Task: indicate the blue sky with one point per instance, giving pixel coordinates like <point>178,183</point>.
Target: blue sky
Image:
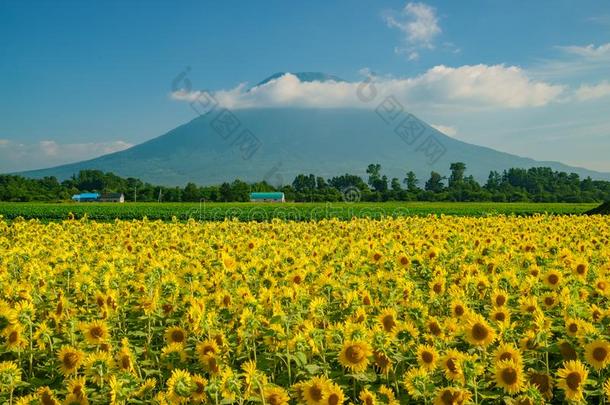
<point>82,78</point>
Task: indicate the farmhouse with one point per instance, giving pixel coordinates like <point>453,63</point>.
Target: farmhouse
<point>267,197</point>
<point>112,197</point>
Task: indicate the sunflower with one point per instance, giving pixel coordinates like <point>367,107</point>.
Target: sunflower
<point>458,309</point>
<point>180,386</point>
<point>173,354</point>
<point>46,396</point>
<point>175,334</point>
<point>567,351</point>
<point>333,395</point>
<point>550,300</point>
<point>8,316</point>
<point>452,396</point>
<point>581,269</point>
<point>314,390</point>
<point>507,351</point>
<point>367,397</point>
<point>499,298</point>
<point>573,327</point>
<point>198,394</point>
<point>387,319</point>
<point>70,359</point>
<point>434,327</point>
<point>452,366</point>
<point>478,332</point>
<point>382,362</point>
<point>416,381</point>
<point>403,261</point>
<point>77,391</point>
<point>572,379</point>
<point>500,315</point>
<point>96,332</point>
<point>14,337</point>
<point>10,375</point>
<point>206,349</point>
<point>552,279</point>
<point>543,383</point>
<point>355,355</point>
<point>427,357</point>
<point>99,366</point>
<point>509,376</point>
<point>276,396</point>
<point>597,354</point>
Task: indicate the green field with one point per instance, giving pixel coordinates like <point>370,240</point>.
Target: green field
<point>267,211</point>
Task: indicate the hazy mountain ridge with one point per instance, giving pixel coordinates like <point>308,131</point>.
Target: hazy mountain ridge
<point>326,142</point>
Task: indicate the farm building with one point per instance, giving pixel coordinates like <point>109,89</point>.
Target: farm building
<point>267,197</point>
<point>112,197</point>
<point>86,197</point>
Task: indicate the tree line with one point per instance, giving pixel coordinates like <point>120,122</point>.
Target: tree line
<point>537,184</point>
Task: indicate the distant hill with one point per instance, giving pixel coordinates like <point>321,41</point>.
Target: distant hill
<point>326,142</point>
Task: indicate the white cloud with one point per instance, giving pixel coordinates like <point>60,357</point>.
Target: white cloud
<point>445,129</point>
<point>588,51</point>
<point>17,156</point>
<point>419,24</point>
<point>464,87</point>
<point>590,92</point>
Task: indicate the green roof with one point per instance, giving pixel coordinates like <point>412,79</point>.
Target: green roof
<point>266,195</point>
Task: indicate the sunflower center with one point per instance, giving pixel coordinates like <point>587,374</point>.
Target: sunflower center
<point>354,354</point>
<point>479,331</point>
<point>437,288</point>
<point>573,380</point>
<point>316,393</point>
<point>573,328</point>
<point>451,365</point>
<point>500,300</point>
<point>600,353</point>
<point>125,362</point>
<point>333,399</point>
<point>13,337</point>
<point>459,310</point>
<point>509,375</point>
<point>388,323</point>
<point>97,332</point>
<point>200,387</point>
<point>70,360</point>
<point>553,279</point>
<point>541,381</point>
<point>178,336</point>
<point>500,316</point>
<point>549,301</point>
<point>427,357</point>
<point>580,269</point>
<point>506,356</point>
<point>449,398</point>
<point>381,360</point>
<point>274,399</point>
<point>404,261</point>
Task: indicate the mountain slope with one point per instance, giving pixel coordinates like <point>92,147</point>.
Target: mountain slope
<point>326,142</point>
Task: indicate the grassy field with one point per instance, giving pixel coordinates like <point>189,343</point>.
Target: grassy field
<point>262,212</point>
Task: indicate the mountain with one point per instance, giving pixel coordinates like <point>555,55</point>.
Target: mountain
<point>289,141</point>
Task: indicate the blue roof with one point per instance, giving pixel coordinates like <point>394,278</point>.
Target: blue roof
<point>266,195</point>
<point>85,195</point>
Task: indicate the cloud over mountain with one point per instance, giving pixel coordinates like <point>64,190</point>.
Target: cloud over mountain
<point>469,86</point>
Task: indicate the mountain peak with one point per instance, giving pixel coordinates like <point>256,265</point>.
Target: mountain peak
<point>304,77</point>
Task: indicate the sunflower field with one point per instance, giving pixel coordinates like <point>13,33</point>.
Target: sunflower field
<point>422,310</point>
